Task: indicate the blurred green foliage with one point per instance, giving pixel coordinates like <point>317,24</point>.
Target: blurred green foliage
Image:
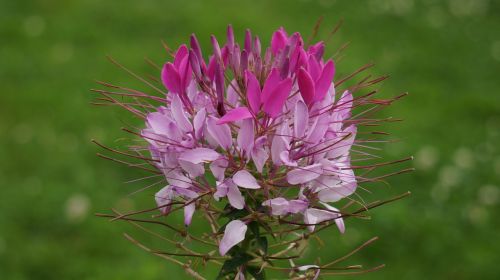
<point>445,53</point>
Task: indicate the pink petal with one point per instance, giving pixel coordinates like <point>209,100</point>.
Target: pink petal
<point>233,234</point>
<point>318,129</point>
<point>178,114</point>
<point>344,105</point>
<point>218,167</point>
<point>279,206</point>
<point>164,197</point>
<point>235,114</point>
<point>273,106</point>
<point>278,41</point>
<point>338,220</point>
<point>199,155</point>
<point>324,81</point>
<point>301,119</point>
<point>234,195</point>
<point>246,136</point>
<point>194,170</point>
<point>253,92</point>
<point>180,54</point>
<point>171,78</point>
<point>304,174</point>
<point>185,72</point>
<point>222,190</point>
<point>314,68</point>
<point>259,156</point>
<point>245,180</point>
<point>315,216</point>
<point>306,86</point>
<point>199,123</point>
<point>220,132</point>
<point>297,206</point>
<point>188,213</point>
<point>271,83</point>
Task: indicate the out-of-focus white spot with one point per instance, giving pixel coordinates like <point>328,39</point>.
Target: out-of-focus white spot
<point>495,50</point>
<point>426,158</point>
<point>476,214</point>
<point>34,26</point>
<point>62,52</point>
<point>464,158</point>
<point>449,176</point>
<point>488,195</point>
<point>436,17</point>
<point>22,133</point>
<point>468,7</point>
<point>77,207</point>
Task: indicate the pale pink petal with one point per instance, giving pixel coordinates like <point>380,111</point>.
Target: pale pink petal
<point>318,129</point>
<point>344,105</point>
<point>273,105</point>
<point>199,155</point>
<point>193,169</point>
<point>234,195</point>
<point>324,81</point>
<point>179,116</point>
<point>313,216</point>
<point>222,190</point>
<point>259,153</point>
<point>171,78</point>
<point>338,220</point>
<point>304,174</point>
<point>253,92</point>
<point>246,136</point>
<point>218,167</point>
<point>277,147</point>
<point>188,213</point>
<point>235,114</point>
<point>285,158</point>
<point>199,123</point>
<point>300,119</point>
<point>297,206</point>
<point>233,234</point>
<point>245,180</point>
<point>306,86</point>
<point>279,206</point>
<point>220,132</point>
<point>163,198</point>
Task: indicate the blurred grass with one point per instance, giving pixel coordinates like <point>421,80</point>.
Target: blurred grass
<point>445,53</point>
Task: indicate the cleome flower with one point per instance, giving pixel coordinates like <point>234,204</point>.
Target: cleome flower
<point>274,125</point>
<point>261,133</point>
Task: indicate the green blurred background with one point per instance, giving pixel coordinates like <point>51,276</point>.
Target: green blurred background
<point>446,54</point>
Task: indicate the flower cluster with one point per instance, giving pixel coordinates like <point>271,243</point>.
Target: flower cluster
<point>265,125</point>
<point>258,138</point>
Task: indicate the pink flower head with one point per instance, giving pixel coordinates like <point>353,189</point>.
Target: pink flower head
<point>255,135</point>
<point>270,115</point>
